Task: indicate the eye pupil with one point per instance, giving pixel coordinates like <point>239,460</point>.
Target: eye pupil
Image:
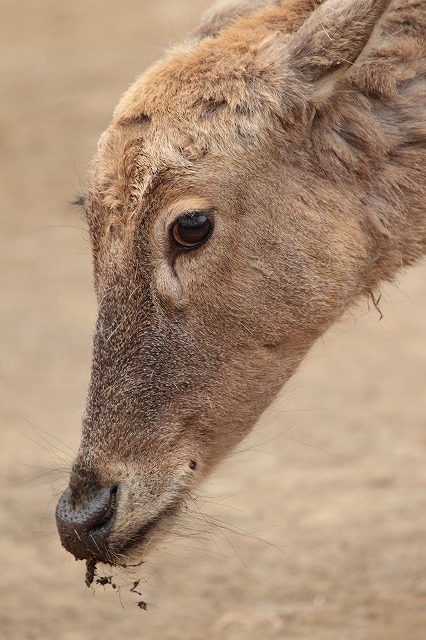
<point>191,230</point>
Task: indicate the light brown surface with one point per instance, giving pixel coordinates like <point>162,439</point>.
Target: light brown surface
<point>327,500</point>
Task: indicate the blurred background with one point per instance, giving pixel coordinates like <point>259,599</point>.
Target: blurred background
<point>316,528</point>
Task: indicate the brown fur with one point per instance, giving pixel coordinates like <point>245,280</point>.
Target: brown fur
<point>303,127</point>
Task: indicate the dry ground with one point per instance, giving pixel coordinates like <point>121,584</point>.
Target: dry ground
<point>324,509</point>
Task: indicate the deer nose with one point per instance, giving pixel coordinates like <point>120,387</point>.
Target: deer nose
<point>84,529</point>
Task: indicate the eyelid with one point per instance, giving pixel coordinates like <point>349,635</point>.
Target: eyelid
<point>190,204</point>
<point>192,212</point>
<point>209,213</point>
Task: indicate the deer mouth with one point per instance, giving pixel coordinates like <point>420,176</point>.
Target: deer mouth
<point>128,554</point>
<point>96,531</point>
<point>116,524</point>
<point>133,548</point>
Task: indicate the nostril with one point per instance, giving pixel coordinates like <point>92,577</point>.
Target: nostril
<point>84,527</point>
<point>106,517</point>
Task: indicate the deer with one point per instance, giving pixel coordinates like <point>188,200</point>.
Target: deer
<point>253,184</point>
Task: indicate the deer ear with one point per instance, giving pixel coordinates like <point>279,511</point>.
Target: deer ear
<point>325,47</point>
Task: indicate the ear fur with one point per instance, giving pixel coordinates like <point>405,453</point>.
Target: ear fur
<point>224,12</point>
<point>326,46</point>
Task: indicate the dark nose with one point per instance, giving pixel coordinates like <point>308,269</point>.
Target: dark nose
<point>84,527</point>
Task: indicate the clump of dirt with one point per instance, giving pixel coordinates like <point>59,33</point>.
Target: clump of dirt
<point>105,581</point>
<point>90,572</point>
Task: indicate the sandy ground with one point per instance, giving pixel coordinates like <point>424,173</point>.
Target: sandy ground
<point>320,517</point>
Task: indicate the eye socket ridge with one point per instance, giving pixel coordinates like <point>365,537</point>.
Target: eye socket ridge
<point>191,230</point>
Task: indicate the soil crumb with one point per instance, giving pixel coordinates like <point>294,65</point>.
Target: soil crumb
<point>133,589</point>
<point>104,580</point>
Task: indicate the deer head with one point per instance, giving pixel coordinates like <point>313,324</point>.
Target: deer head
<point>223,248</point>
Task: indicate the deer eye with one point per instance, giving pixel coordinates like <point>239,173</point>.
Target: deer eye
<point>191,230</point>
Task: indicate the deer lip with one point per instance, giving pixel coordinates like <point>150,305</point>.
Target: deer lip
<point>119,543</point>
<point>141,536</point>
<point>109,554</point>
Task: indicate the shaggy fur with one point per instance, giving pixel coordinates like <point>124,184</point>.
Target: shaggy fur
<point>302,126</point>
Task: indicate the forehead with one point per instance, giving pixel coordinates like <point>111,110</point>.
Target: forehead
<point>194,103</point>
<point>136,158</point>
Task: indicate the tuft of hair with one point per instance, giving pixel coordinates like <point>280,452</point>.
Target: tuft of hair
<point>79,201</point>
